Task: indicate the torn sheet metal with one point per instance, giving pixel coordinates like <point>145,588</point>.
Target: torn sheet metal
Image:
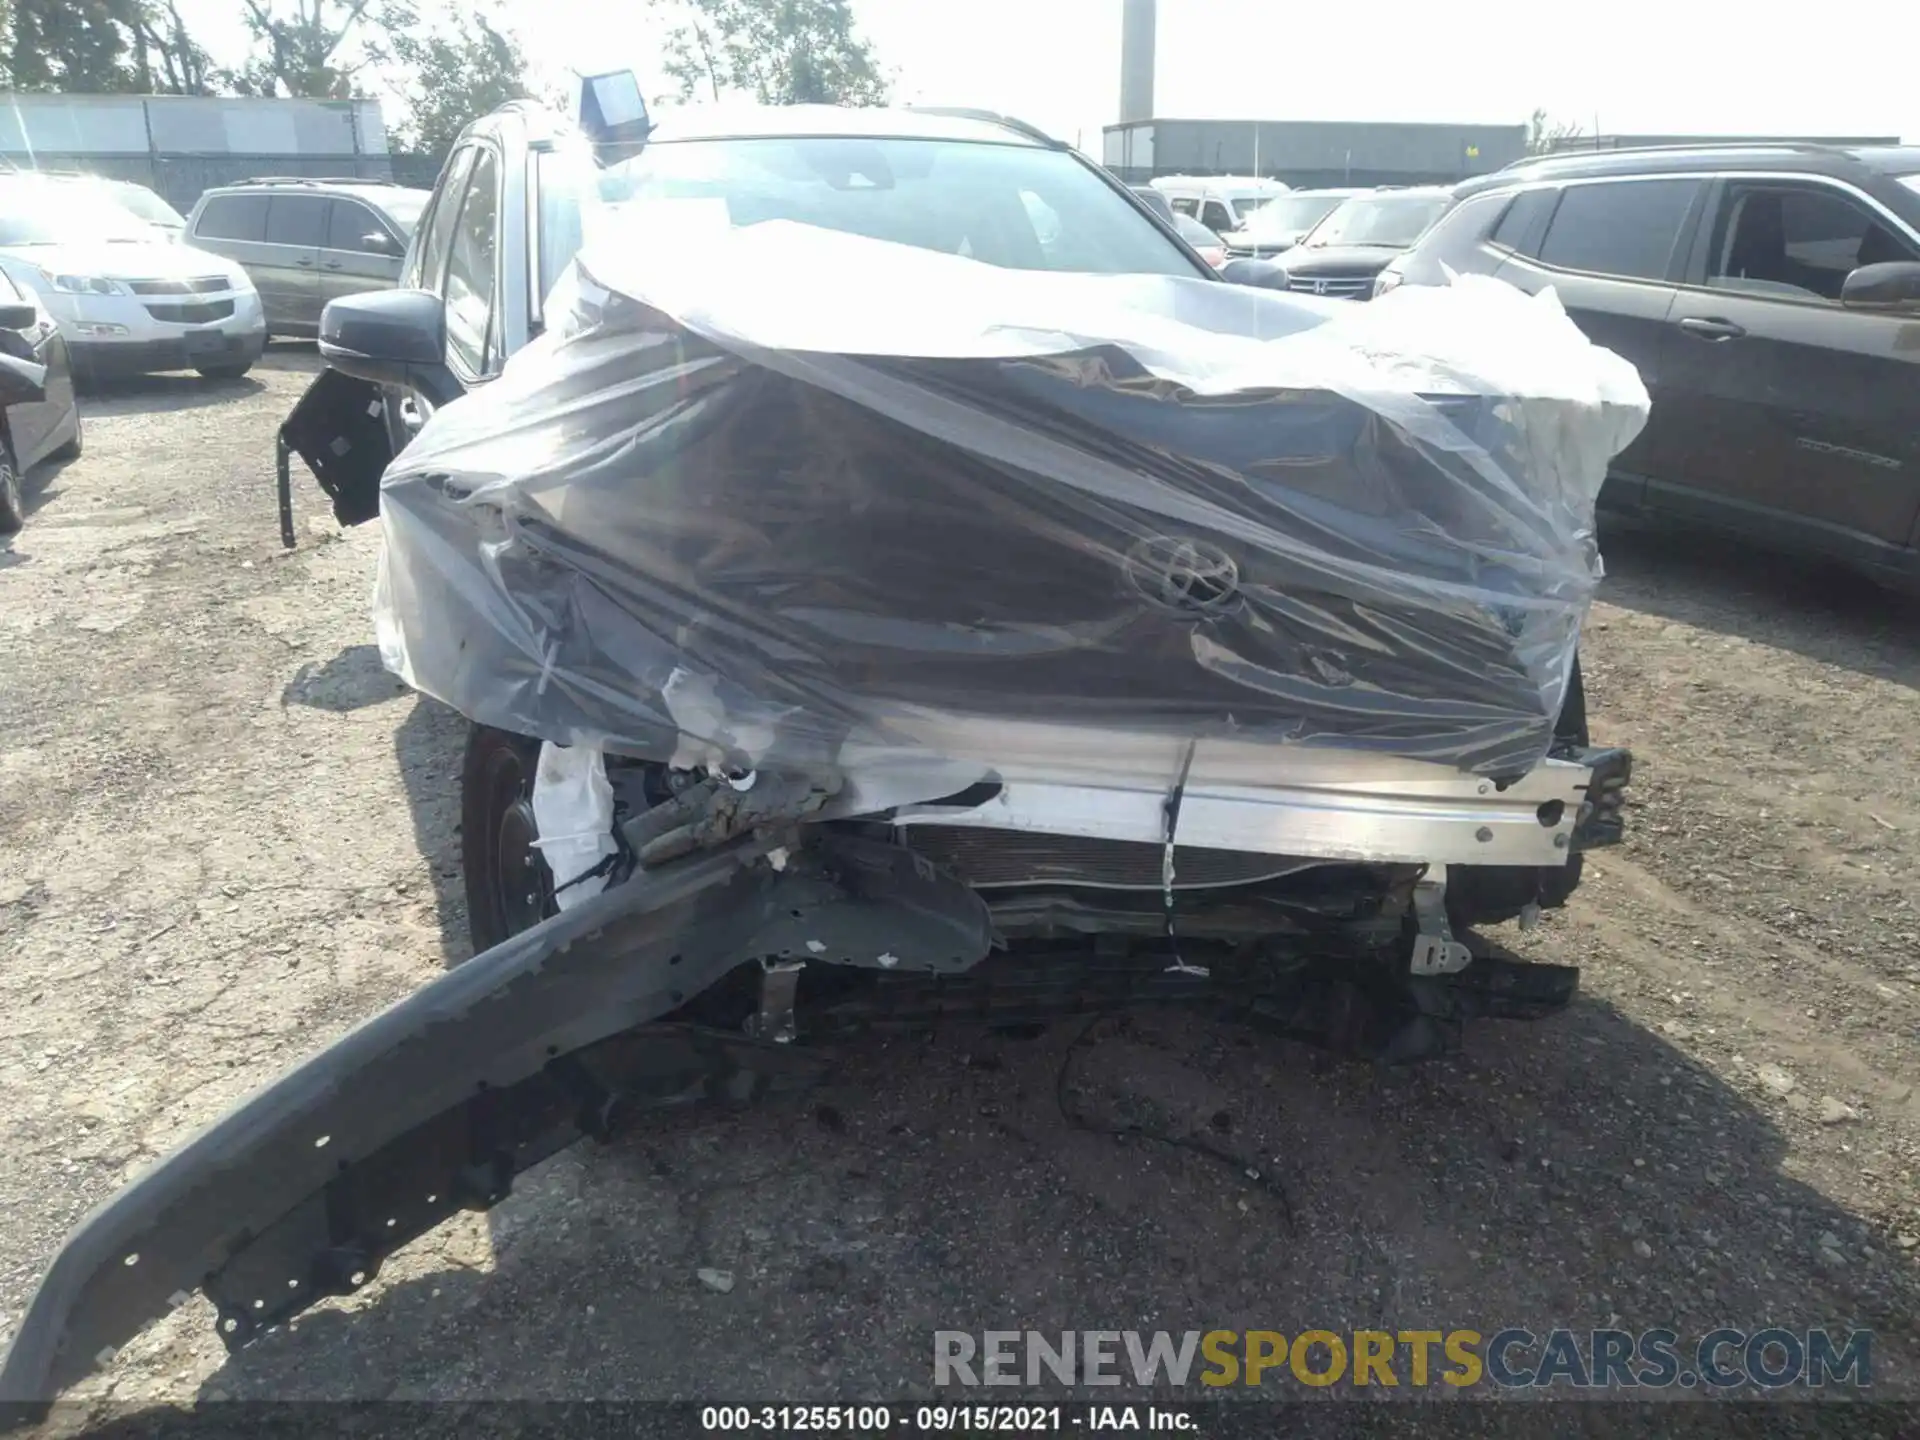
<point>724,518</point>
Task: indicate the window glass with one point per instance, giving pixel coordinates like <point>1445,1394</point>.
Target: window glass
<point>1625,228</point>
<point>1289,216</point>
<point>1216,217</point>
<point>987,201</point>
<point>1185,205</point>
<point>1521,223</point>
<point>470,267</point>
<point>296,220</point>
<point>1046,223</point>
<point>1382,219</point>
<point>1798,242</point>
<point>234,217</point>
<point>567,179</point>
<point>1194,233</point>
<point>430,260</point>
<point>403,208</point>
<point>9,293</point>
<point>350,225</point>
<point>144,203</point>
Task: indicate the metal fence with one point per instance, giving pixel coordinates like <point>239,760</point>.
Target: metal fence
<point>180,179</point>
<point>181,146</point>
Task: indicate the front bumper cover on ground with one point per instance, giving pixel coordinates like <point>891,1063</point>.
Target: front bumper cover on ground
<point>276,1203</point>
<point>434,1105</point>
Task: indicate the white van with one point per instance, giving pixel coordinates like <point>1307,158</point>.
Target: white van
<point>1219,202</point>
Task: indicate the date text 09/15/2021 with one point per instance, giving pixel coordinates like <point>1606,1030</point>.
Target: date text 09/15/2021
<point>939,1419</point>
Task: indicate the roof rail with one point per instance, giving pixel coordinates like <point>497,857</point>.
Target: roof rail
<point>1574,152</point>
<point>309,180</point>
<point>991,117</point>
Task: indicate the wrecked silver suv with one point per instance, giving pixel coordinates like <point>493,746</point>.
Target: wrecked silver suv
<point>877,606</point>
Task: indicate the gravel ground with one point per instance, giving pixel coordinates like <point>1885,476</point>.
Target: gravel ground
<point>226,835</point>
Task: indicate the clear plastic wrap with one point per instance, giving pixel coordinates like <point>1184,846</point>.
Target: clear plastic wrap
<point>777,497</point>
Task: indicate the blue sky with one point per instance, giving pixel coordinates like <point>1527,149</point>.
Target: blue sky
<point>1633,65</point>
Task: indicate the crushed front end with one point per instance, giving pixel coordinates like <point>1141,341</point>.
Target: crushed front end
<point>1075,642</point>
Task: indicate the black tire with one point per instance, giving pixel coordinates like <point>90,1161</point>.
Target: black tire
<point>225,372</point>
<point>13,509</point>
<point>508,885</point>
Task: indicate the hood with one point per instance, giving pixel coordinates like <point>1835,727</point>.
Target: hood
<point>1263,242</point>
<point>1332,260</point>
<point>156,259</point>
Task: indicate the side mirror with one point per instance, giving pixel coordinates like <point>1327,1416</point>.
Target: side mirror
<point>21,381</point>
<point>1893,286</point>
<point>18,317</point>
<point>1246,270</point>
<point>391,337</point>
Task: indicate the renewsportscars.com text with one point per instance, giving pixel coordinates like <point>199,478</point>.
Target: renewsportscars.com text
<point>1771,1358</point>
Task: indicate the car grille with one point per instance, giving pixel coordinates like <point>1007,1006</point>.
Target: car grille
<point>192,313</point>
<point>1010,857</point>
<point>1337,287</point>
<point>199,285</point>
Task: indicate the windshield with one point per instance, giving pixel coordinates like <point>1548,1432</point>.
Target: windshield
<point>35,212</point>
<point>1396,220</point>
<point>1912,182</point>
<point>1194,233</point>
<point>1017,206</point>
<point>144,203</point>
<point>403,207</point>
<point>1290,214</point>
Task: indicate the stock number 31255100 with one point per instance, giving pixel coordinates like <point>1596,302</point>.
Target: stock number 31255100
<point>871,1419</point>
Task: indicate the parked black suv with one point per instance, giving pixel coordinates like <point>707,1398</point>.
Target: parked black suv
<point>1342,255</point>
<point>1770,296</point>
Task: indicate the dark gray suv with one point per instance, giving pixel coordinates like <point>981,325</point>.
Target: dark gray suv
<point>1770,298</point>
<point>304,241</point>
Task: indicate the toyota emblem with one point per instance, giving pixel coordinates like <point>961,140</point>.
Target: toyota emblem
<point>1185,576</point>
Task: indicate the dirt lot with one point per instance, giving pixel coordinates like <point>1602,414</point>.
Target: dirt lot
<point>226,835</point>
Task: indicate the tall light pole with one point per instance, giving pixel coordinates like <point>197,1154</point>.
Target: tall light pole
<point>1136,60</point>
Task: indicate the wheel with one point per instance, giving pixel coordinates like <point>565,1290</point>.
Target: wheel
<point>509,888</point>
<point>13,513</point>
<point>225,372</point>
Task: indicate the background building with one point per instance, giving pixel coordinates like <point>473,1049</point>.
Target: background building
<point>1309,152</point>
<point>180,145</point>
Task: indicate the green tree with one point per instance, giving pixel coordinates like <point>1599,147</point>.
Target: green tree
<point>462,70</point>
<point>170,61</point>
<point>780,52</point>
<point>312,48</point>
<point>72,45</point>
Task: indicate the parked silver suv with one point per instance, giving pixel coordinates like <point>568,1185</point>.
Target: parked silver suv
<point>307,241</point>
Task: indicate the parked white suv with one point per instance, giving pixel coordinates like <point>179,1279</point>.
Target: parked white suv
<point>1219,202</point>
<point>126,301</point>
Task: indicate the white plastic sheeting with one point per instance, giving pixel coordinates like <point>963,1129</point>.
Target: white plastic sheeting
<point>775,496</point>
